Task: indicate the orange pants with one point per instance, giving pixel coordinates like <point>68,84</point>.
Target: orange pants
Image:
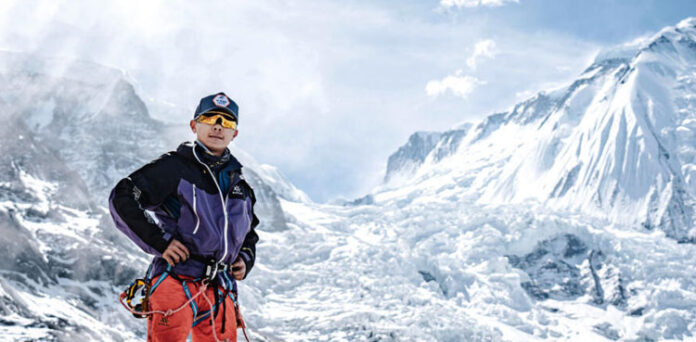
<point>176,327</point>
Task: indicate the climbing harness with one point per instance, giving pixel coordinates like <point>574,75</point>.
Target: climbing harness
<point>210,279</point>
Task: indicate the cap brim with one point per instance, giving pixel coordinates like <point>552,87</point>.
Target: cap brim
<point>219,112</point>
<point>218,109</point>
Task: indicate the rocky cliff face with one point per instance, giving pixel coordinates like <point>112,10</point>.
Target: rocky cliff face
<point>564,268</point>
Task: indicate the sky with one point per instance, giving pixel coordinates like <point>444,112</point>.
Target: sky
<point>329,89</point>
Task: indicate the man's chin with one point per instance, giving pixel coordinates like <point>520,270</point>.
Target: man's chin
<point>215,145</point>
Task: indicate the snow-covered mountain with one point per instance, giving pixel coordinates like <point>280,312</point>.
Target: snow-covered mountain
<point>89,114</point>
<point>618,141</point>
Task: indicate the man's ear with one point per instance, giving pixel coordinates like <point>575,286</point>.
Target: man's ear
<point>236,131</point>
<point>193,125</point>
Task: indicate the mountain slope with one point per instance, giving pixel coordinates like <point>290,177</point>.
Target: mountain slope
<point>617,142</point>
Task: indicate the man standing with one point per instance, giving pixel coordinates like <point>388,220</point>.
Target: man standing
<point>203,239</point>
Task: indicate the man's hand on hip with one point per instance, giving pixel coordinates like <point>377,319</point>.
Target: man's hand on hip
<point>239,269</point>
<point>175,253</point>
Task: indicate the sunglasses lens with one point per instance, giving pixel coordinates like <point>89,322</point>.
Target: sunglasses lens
<point>214,119</point>
<point>227,123</point>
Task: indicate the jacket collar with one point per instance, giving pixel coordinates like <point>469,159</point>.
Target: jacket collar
<point>215,163</point>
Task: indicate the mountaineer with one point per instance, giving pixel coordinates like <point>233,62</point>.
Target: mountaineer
<point>203,239</point>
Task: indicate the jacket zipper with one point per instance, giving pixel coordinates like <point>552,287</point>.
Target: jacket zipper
<point>198,219</point>
<point>222,199</point>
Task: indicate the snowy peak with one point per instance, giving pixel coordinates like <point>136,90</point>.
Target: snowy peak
<point>662,41</point>
<point>614,144</point>
<point>618,142</point>
<point>411,155</point>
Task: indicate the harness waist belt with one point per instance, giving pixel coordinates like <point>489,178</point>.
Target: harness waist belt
<point>212,267</point>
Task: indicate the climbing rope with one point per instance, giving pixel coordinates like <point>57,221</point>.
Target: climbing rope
<point>129,293</point>
<point>167,313</point>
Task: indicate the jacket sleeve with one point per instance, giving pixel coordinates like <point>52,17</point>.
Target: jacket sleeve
<point>146,188</point>
<point>248,251</point>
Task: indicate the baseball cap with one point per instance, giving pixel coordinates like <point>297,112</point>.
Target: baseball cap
<point>217,102</point>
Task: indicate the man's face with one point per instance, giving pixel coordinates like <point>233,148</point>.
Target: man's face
<point>214,137</point>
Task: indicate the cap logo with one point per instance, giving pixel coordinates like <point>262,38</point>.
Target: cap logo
<point>221,100</point>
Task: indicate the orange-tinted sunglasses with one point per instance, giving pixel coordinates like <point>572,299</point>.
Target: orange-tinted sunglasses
<point>211,118</point>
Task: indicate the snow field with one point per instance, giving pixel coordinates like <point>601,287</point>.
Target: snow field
<point>435,270</point>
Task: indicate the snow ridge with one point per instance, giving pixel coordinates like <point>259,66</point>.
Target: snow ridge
<point>617,142</point>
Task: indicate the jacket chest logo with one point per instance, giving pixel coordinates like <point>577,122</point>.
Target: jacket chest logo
<point>237,191</point>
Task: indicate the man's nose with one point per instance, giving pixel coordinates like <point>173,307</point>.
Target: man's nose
<point>217,127</point>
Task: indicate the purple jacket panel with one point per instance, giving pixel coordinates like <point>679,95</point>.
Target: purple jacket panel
<point>201,227</point>
<point>201,222</point>
<point>240,210</point>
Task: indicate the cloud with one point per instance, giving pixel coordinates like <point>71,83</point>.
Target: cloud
<point>459,85</point>
<point>483,49</point>
<point>474,3</point>
<point>462,85</point>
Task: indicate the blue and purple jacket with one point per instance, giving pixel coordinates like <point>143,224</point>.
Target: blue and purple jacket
<point>200,199</point>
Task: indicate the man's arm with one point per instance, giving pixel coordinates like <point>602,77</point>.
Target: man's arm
<point>143,189</point>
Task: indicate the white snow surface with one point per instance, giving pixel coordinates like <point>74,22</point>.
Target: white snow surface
<point>356,274</point>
